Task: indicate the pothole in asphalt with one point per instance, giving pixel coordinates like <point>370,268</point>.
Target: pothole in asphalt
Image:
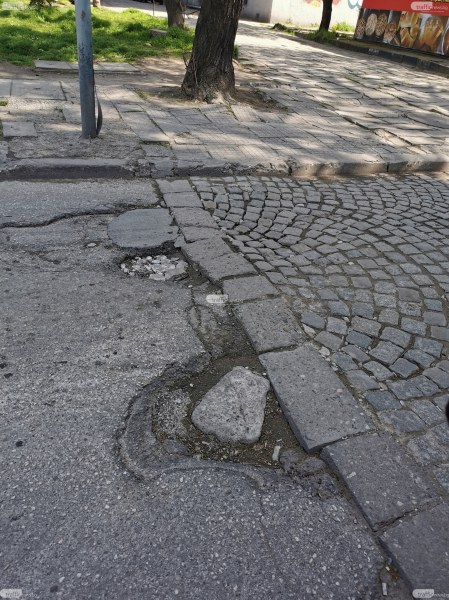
<point>159,268</point>
<point>213,320</point>
<point>174,406</point>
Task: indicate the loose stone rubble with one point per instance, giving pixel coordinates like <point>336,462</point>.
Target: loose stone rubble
<point>159,268</point>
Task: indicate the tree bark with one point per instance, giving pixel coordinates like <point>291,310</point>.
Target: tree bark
<point>175,13</point>
<point>326,15</point>
<point>210,72</point>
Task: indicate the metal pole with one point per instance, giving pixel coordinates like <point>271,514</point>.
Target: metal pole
<point>86,67</point>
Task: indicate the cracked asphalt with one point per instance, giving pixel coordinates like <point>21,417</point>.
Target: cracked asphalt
<point>81,341</point>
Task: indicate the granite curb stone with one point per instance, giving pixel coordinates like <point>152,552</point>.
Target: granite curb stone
<point>320,410</point>
<point>420,548</point>
<point>269,324</point>
<point>66,168</point>
<point>392,486</point>
<point>248,288</point>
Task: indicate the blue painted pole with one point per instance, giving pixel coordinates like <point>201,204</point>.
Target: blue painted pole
<point>86,67</point>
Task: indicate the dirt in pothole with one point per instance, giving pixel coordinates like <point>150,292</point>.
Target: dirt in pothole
<point>229,347</point>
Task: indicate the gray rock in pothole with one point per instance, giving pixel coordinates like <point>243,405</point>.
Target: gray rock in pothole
<point>144,228</point>
<point>234,409</point>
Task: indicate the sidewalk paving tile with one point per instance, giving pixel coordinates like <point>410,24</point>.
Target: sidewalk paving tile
<point>18,129</point>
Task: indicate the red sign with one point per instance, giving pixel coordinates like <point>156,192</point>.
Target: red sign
<point>431,8</point>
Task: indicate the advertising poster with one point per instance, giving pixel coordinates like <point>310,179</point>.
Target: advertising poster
<point>422,26</point>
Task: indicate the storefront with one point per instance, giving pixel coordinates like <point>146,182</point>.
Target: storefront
<point>422,26</point>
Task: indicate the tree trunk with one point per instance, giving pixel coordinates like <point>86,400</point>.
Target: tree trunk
<point>327,15</point>
<point>175,13</point>
<point>210,72</point>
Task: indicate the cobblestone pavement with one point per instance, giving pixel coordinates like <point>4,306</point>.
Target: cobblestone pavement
<point>379,122</point>
<point>364,264</point>
<point>356,270</point>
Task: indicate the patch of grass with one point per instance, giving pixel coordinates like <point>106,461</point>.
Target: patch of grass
<point>50,34</point>
<point>3,102</point>
<point>346,27</point>
<point>321,36</point>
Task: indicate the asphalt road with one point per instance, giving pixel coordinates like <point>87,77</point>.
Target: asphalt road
<point>79,518</point>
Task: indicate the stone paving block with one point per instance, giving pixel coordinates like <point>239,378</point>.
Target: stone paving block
<point>403,421</point>
<point>361,381</point>
<point>269,324</point>
<point>404,390</point>
<point>404,368</point>
<point>195,234</point>
<point>319,408</point>
<point>428,449</point>
<point>396,336</point>
<point>142,228</point>
<point>382,400</point>
<point>193,217</point>
<point>248,288</point>
<point>440,377</point>
<point>420,358</point>
<point>419,546</point>
<point>174,186</point>
<point>18,129</point>
<point>386,352</point>
<point>208,248</point>
<point>227,265</point>
<point>314,320</point>
<point>329,340</point>
<point>359,339</point>
<point>427,411</point>
<point>432,347</point>
<point>440,333</point>
<point>182,200</point>
<point>392,486</point>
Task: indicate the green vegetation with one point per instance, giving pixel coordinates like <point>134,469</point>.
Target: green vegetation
<point>321,36</point>
<point>49,34</point>
<point>3,102</point>
<point>343,27</point>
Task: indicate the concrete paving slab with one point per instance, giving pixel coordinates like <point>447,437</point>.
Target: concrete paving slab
<point>49,90</point>
<point>55,65</point>
<point>394,484</point>
<point>318,407</point>
<point>72,113</point>
<point>18,129</point>
<point>5,88</point>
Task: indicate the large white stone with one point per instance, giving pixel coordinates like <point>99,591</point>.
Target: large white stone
<point>234,409</point>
